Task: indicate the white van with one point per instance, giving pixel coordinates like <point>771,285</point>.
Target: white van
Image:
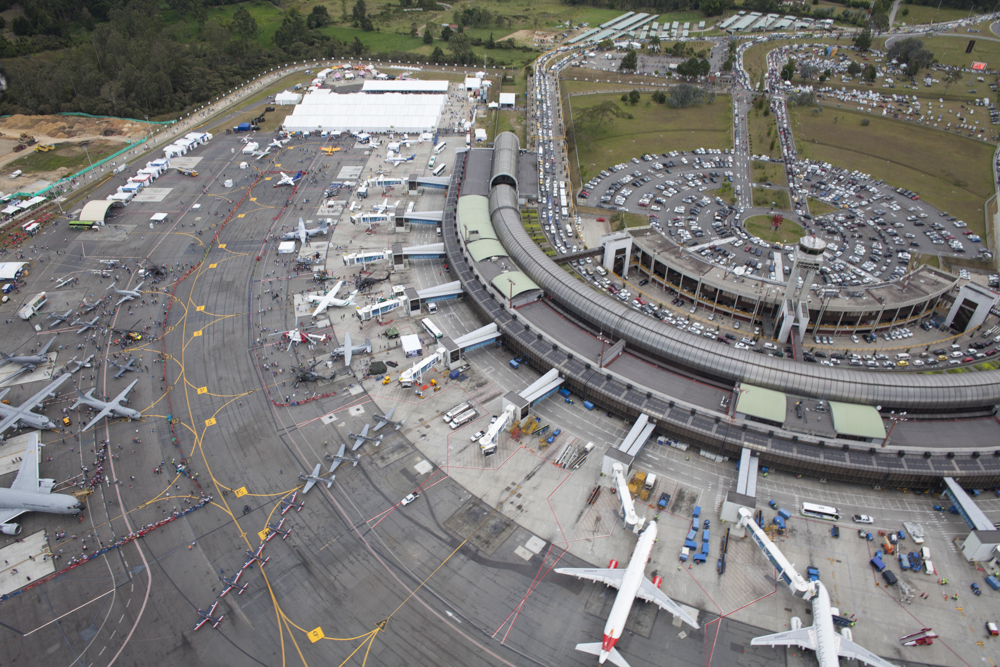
<point>770,346</point>
<point>902,356</point>
<point>925,553</point>
<point>432,308</point>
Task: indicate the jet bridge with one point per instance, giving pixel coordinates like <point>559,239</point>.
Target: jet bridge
<point>401,255</point>
<point>799,587</point>
<point>432,182</point>
<point>542,388</point>
<point>632,520</point>
<point>745,494</point>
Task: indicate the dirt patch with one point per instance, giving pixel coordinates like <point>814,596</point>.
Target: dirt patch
<point>51,129</point>
<point>528,37</point>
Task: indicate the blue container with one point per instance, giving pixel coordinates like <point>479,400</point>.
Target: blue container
<point>564,391</point>
<point>588,405</point>
<point>783,513</point>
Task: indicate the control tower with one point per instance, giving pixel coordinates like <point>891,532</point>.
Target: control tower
<point>794,311</point>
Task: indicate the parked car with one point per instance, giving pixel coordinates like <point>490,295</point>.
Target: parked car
<point>477,436</point>
<point>863,518</point>
<point>410,498</point>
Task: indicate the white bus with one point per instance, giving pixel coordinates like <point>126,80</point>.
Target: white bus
<point>463,419</point>
<point>820,512</point>
<point>439,170</point>
<point>430,328</point>
<point>456,411</point>
<point>440,147</point>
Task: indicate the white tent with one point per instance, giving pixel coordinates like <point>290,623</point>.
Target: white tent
<point>411,345</point>
<point>287,97</point>
<point>507,99</point>
<point>358,112</point>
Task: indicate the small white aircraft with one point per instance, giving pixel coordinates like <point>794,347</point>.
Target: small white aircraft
<point>259,154</point>
<point>28,493</point>
<point>346,350</point>
<point>206,617</point>
<point>386,420</point>
<point>113,407</point>
<point>396,159</point>
<point>277,530</point>
<point>289,179</point>
<point>330,299</point>
<point>127,294</point>
<point>298,336</point>
<point>311,480</point>
<point>231,583</point>
<point>363,437</point>
<point>22,415</point>
<point>87,307</point>
<point>277,143</point>
<point>62,282</point>
<point>301,233</point>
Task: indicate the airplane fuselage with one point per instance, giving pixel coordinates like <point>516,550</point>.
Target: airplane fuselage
<point>826,635</point>
<point>51,503</point>
<point>631,581</point>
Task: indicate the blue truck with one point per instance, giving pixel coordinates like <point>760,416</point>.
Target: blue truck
<point>697,512</point>
<point>780,523</point>
<point>784,514</point>
<point>877,563</point>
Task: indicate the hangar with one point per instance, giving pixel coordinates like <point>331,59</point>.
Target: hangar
<point>325,110</point>
<point>97,211</point>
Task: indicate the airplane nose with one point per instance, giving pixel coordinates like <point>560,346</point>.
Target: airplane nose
<point>81,506</point>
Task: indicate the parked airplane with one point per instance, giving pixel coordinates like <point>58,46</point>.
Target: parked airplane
<point>330,151</point>
<point>62,282</point>
<point>821,637</point>
<point>127,294</point>
<point>59,319</point>
<point>301,233</point>
<point>29,362</point>
<point>206,617</point>
<point>631,584</point>
<point>255,557</point>
<point>123,368</point>
<point>231,583</point>
<point>278,143</point>
<point>79,364</point>
<point>92,324</point>
<point>363,437</point>
<point>311,480</point>
<point>259,154</point>
<point>346,350</point>
<point>112,407</point>
<point>386,419</point>
<point>290,179</point>
<point>87,307</point>
<point>340,457</point>
<point>277,530</point>
<point>28,493</point>
<point>22,416</point>
<point>289,503</point>
<point>299,336</point>
<point>396,160</point>
<point>330,299</point>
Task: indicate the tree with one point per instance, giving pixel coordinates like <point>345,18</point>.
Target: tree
<point>854,68</point>
<point>605,45</point>
<point>863,40</point>
<point>869,73</point>
<point>776,221</point>
<point>428,37</point>
<point>446,33</point>
<point>437,55</point>
<point>461,49</point>
<point>880,21</point>
<point>808,71</point>
<point>630,63</point>
<point>291,31</point>
<point>358,48</point>
<point>21,26</point>
<point>634,97</point>
<point>910,52</point>
<point>788,71</point>
<point>359,14</point>
<point>952,76</point>
<point>244,25</point>
<point>654,43</point>
<point>319,17</point>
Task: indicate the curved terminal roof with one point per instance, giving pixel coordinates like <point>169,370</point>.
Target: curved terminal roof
<point>485,249</point>
<point>914,391</point>
<point>97,210</point>
<point>474,218</point>
<point>506,147</point>
<point>521,284</point>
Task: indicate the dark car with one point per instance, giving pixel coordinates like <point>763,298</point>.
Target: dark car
<point>391,363</point>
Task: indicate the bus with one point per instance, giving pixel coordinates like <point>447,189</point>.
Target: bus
<point>820,512</point>
<point>440,147</point>
<point>81,224</point>
<point>463,419</point>
<point>430,328</point>
<point>439,170</point>
<point>456,411</point>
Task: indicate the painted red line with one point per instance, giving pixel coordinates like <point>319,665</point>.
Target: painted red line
<point>532,588</point>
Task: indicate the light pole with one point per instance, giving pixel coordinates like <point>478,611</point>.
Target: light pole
<point>510,298</point>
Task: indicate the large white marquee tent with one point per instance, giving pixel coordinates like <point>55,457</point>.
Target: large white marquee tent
<point>325,110</point>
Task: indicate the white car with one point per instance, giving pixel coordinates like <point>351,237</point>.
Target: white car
<point>863,518</point>
<point>409,499</point>
<point>477,436</point>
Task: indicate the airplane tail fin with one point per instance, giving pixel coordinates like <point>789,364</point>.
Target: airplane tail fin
<point>80,401</point>
<point>595,649</point>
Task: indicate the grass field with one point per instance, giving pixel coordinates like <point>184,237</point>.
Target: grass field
<point>919,14</point>
<point>287,83</point>
<point>951,51</point>
<point>575,87</point>
<point>653,129</point>
<point>768,172</point>
<point>68,156</point>
<point>760,226</point>
<point>762,131</point>
<point>764,197</point>
<point>949,172</point>
<point>817,207</point>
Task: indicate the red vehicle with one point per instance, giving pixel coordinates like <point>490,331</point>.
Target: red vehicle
<point>600,219</point>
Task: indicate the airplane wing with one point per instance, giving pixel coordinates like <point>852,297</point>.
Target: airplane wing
<point>384,419</point>
<point>803,638</point>
<point>348,352</point>
<point>100,415</point>
<point>340,454</point>
<point>361,440</point>
<point>650,593</point>
<point>27,474</point>
<point>312,482</point>
<point>117,400</point>
<point>609,576</point>
<point>302,231</point>
<point>849,649</point>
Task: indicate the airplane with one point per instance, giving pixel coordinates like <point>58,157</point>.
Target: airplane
<point>79,364</point>
<point>631,584</point>
<point>92,324</point>
<point>289,503</point>
<point>59,319</point>
<point>299,336</point>
<point>330,299</point>
<point>255,557</point>
<point>127,294</point>
<point>398,160</point>
<point>22,416</point>
<point>821,637</point>
<point>62,282</point>
<point>276,530</point>
<point>340,457</point>
<point>292,179</point>
<point>87,307</point>
<point>330,151</point>
<point>301,233</point>
<point>123,368</point>
<point>277,143</point>
<point>28,493</point>
<point>259,154</point>
<point>231,583</point>
<point>346,350</point>
<point>363,437</point>
<point>206,617</point>
<point>311,480</point>
<point>386,419</point>
<point>29,362</point>
<point>112,407</point>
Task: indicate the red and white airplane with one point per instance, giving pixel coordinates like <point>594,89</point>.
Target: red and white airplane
<point>206,617</point>
<point>296,336</point>
<point>631,584</point>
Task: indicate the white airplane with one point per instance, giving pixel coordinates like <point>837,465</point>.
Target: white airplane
<point>22,415</point>
<point>821,637</point>
<point>59,319</point>
<point>311,480</point>
<point>277,143</point>
<point>363,437</point>
<point>398,159</point>
<point>382,208</point>
<point>127,294</point>
<point>299,336</point>
<point>28,493</point>
<point>301,233</point>
<point>289,179</point>
<point>277,529</point>
<point>631,584</point>
<point>259,154</point>
<point>231,583</point>
<point>341,457</point>
<point>62,282</point>
<point>112,407</point>
<point>386,420</point>
<point>330,299</point>
<point>92,324</point>
<point>346,350</point>
<point>87,307</point>
<point>29,362</point>
<point>206,617</point>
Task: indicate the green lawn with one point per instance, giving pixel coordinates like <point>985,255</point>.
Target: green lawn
<point>768,172</point>
<point>267,16</point>
<point>653,129</point>
<point>760,226</point>
<point>763,133</point>
<point>817,207</point>
<point>951,51</point>
<point>918,14</point>
<point>764,197</point>
<point>69,156</point>
<point>950,172</point>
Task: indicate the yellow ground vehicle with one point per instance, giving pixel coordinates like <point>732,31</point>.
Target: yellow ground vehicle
<point>387,379</point>
<point>66,421</point>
